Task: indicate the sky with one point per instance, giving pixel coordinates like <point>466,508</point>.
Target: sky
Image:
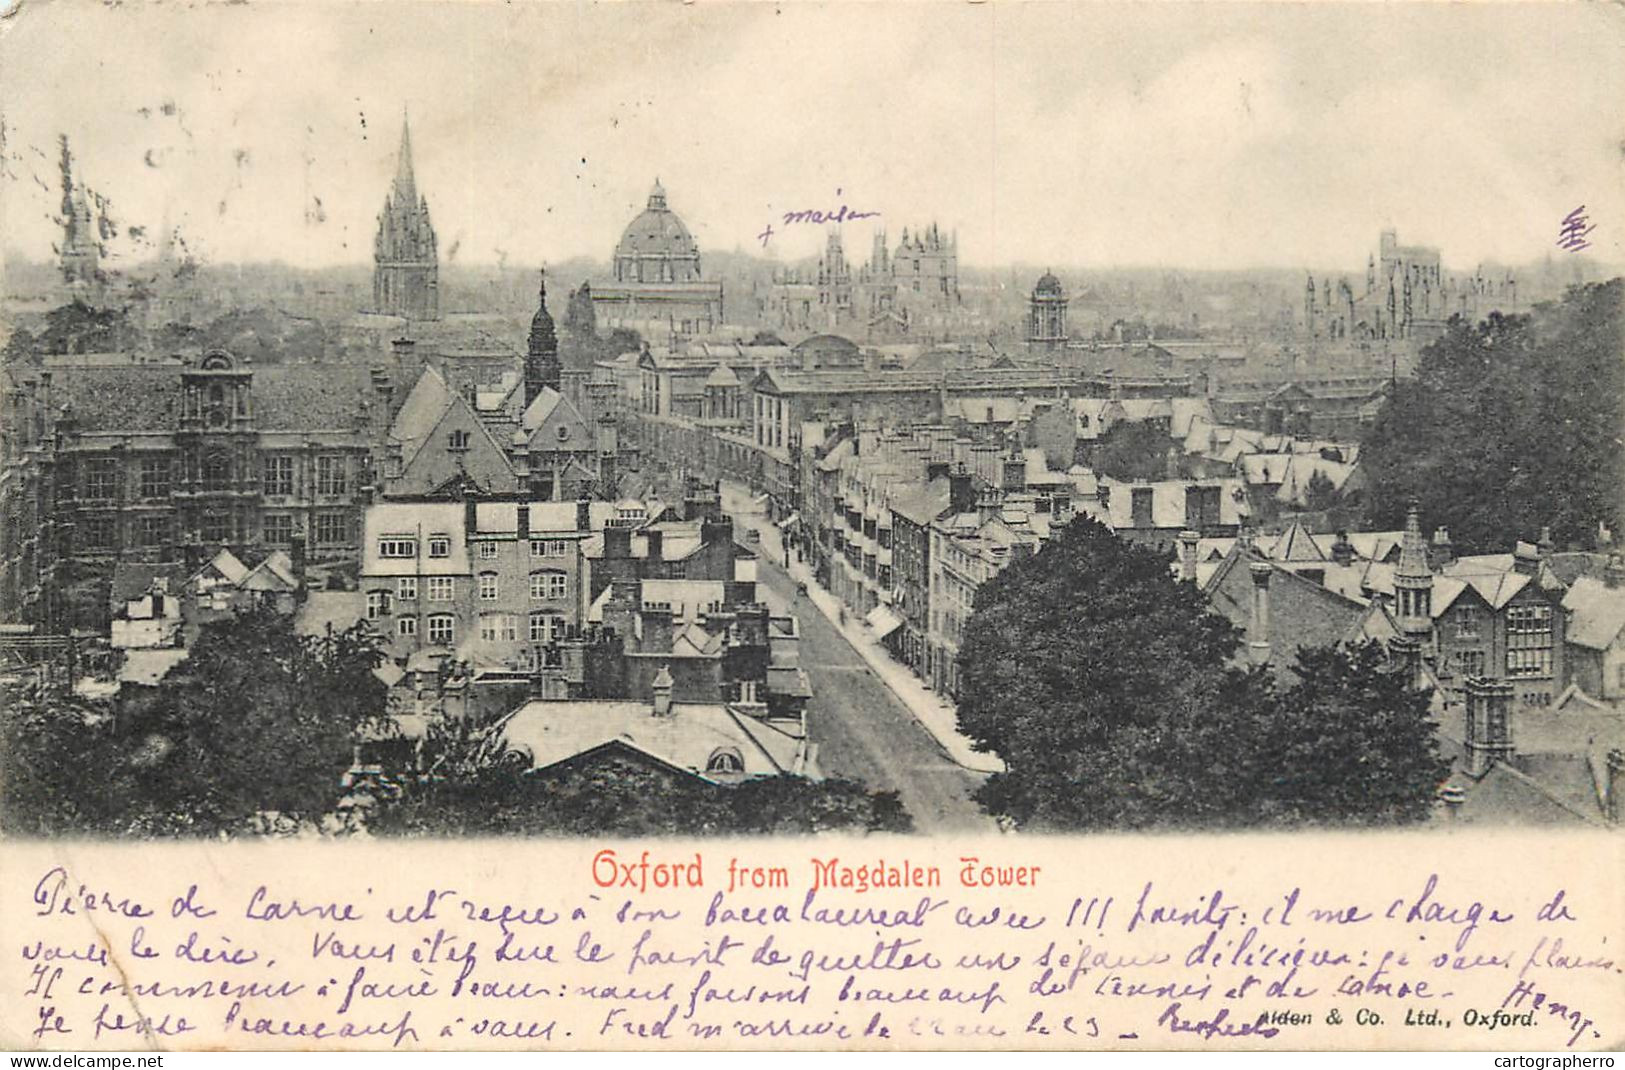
<point>1229,135</point>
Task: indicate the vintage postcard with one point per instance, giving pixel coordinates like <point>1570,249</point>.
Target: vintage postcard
<point>832,526</point>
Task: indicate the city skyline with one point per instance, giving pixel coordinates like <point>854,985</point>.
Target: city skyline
<point>1011,144</point>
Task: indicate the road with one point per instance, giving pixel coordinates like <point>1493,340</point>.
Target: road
<point>864,733</point>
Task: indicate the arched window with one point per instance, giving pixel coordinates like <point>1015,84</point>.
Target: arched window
<point>216,471</point>
<point>725,760</point>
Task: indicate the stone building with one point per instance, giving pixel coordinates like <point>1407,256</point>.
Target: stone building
<point>656,287</point>
<point>406,263</point>
<point>1046,315</point>
<point>159,462</point>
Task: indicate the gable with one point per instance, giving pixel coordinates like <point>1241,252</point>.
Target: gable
<point>436,464</point>
<point>562,428</point>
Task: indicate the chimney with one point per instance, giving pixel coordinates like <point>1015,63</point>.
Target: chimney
<point>471,523</point>
<point>296,556</point>
<point>583,514</point>
<point>961,492</point>
<point>1526,559</point>
<point>617,542</point>
<point>657,629</point>
<point>1140,508</point>
<point>1187,555</point>
<point>523,511</point>
<point>1489,724</point>
<point>1343,550</point>
<point>662,692</point>
<point>656,541</point>
<point>1546,545</point>
<point>1258,625</point>
<point>1614,572</point>
<point>1442,552</point>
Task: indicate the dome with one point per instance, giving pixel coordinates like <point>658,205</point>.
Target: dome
<point>656,246</point>
<point>1048,286</point>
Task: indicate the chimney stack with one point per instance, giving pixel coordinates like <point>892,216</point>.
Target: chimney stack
<point>1187,555</point>
<point>1614,572</point>
<point>656,540</point>
<point>1343,549</point>
<point>522,510</point>
<point>583,514</point>
<point>471,523</point>
<point>662,692</point>
<point>1258,626</point>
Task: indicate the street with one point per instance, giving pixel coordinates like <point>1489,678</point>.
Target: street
<point>862,731</point>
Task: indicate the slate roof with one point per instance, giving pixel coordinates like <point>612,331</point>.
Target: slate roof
<point>140,398</point>
<point>1598,613</point>
<point>685,739</point>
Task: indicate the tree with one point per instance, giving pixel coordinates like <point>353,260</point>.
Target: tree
<point>1107,687</point>
<point>1133,450</point>
<point>257,719</point>
<point>1510,425</point>
<point>1321,493</point>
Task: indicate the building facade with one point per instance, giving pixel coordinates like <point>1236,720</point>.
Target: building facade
<point>167,462</point>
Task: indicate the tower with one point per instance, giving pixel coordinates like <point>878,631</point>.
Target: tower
<point>1046,315</point>
<point>1413,596</point>
<point>406,271</point>
<point>80,251</point>
<point>542,367</point>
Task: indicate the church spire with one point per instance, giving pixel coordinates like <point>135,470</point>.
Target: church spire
<point>542,368</point>
<point>406,187</point>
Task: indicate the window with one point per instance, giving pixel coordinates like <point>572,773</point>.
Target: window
<point>277,476</point>
<point>155,479</point>
<point>442,588</point>
<point>549,547</point>
<point>331,477</point>
<point>442,629</point>
<point>725,760</point>
<point>96,532</point>
<point>101,479</point>
<point>1529,640</point>
<point>1467,622</point>
<point>546,627</point>
<point>377,604</point>
<point>217,471</point>
<point>499,628</point>
<point>488,550</point>
<point>277,529</point>
<point>152,530</point>
<point>550,585</point>
<point>397,546</point>
<point>1472,662</point>
<point>216,527</point>
<point>406,588</point>
<point>488,586</point>
<point>406,627</point>
<point>439,545</point>
<point>332,529</point>
<point>457,440</point>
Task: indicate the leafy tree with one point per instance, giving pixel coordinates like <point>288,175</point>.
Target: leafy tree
<point>1510,425</point>
<point>1321,492</point>
<point>1107,687</point>
<point>1133,450</point>
<point>256,719</point>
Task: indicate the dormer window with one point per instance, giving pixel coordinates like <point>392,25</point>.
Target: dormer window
<point>725,760</point>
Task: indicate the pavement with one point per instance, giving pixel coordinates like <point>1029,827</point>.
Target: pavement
<point>870,719</point>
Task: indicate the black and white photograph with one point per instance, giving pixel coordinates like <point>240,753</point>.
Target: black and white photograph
<point>437,421</point>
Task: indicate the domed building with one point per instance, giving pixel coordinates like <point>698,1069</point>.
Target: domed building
<point>1046,315</point>
<point>656,288</point>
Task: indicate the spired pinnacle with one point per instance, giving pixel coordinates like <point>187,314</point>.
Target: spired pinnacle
<point>405,182</point>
